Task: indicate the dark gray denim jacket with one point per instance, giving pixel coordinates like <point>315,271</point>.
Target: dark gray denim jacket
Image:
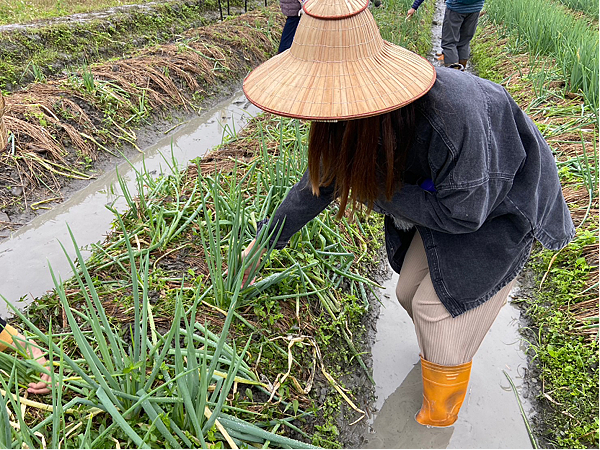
<point>492,188</point>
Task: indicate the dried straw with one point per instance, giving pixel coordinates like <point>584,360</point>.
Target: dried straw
<point>53,119</point>
<point>3,132</point>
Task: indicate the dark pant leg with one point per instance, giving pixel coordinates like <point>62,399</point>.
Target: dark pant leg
<point>289,30</point>
<point>467,31</point>
<point>451,36</point>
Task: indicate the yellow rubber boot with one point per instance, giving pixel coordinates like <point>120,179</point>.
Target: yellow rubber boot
<point>444,390</point>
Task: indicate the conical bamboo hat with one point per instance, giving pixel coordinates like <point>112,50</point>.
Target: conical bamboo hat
<point>338,68</point>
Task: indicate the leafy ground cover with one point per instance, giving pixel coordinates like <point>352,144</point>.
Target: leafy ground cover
<point>561,305</point>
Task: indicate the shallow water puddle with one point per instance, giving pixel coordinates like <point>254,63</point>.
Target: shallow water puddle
<point>490,416</point>
<point>25,256</point>
<point>436,30</point>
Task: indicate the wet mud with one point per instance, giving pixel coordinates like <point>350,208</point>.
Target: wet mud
<point>436,32</point>
<point>490,415</point>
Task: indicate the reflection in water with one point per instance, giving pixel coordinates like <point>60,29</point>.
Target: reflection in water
<point>395,425</point>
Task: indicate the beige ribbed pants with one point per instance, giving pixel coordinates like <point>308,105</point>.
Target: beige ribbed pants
<point>443,339</point>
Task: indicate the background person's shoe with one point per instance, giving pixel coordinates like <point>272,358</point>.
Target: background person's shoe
<point>456,66</point>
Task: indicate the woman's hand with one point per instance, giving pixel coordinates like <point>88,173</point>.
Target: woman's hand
<point>245,254</point>
<point>33,350</point>
<point>410,13</point>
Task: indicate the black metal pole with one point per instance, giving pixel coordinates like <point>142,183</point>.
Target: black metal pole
<point>220,10</point>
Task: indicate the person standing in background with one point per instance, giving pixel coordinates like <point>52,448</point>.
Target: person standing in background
<point>458,28</point>
<point>292,9</point>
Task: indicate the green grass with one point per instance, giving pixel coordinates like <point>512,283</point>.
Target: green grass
<point>548,29</point>
<point>413,34</point>
<point>114,104</point>
<point>24,11</point>
<point>566,360</point>
<point>588,7</point>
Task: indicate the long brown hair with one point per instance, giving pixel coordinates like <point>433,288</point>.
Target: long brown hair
<point>354,153</point>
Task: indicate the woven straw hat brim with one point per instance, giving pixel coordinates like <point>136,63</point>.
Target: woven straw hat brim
<point>357,74</point>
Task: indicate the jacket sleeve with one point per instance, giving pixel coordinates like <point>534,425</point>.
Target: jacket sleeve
<point>298,208</point>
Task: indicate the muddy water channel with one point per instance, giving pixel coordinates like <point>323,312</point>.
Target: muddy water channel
<point>26,255</point>
<point>490,416</point>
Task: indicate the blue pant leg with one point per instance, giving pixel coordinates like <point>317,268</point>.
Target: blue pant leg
<point>451,36</point>
<point>467,31</point>
<point>289,30</point>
